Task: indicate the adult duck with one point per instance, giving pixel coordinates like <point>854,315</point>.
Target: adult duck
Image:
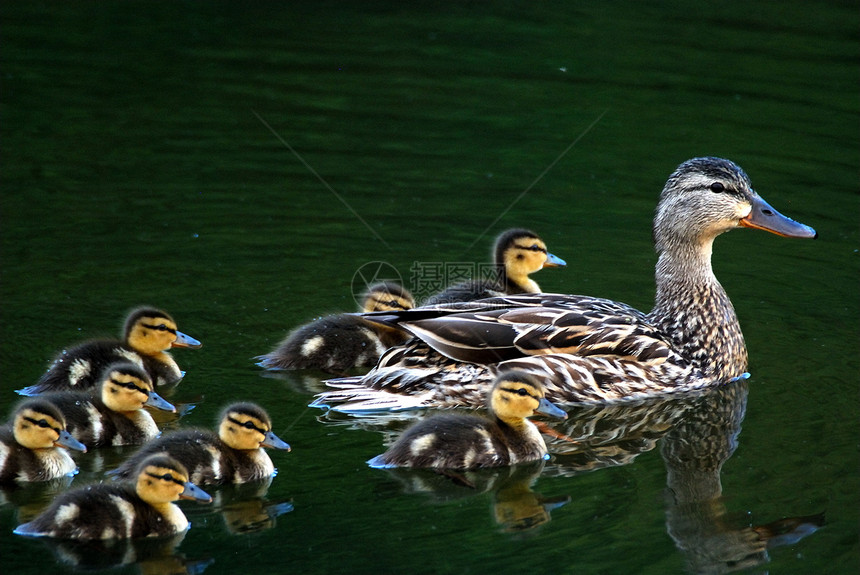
<point>147,335</point>
<point>584,349</point>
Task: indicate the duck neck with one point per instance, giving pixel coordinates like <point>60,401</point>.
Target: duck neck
<point>693,309</point>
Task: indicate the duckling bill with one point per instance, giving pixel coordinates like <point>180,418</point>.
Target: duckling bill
<point>459,441</point>
<point>147,335</point>
<point>122,511</point>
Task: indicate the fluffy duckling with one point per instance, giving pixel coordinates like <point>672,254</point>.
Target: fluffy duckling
<point>31,447</point>
<point>457,441</point>
<point>104,511</point>
<point>338,342</point>
<point>114,416</point>
<point>148,332</point>
<point>517,253</point>
<point>234,455</point>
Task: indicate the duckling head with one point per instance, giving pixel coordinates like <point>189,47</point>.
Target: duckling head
<point>161,479</point>
<point>247,426</point>
<point>151,331</point>
<point>39,424</point>
<point>517,395</point>
<point>705,197</point>
<point>387,296</point>
<point>521,252</point>
<point>125,387</point>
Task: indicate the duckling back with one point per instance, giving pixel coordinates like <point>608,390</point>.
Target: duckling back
<point>112,511</point>
<point>113,414</point>
<point>147,334</point>
<point>210,459</point>
<point>338,342</point>
<point>457,441</point>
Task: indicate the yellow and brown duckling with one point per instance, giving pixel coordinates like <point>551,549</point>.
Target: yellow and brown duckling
<point>147,334</point>
<point>32,447</point>
<point>114,413</point>
<point>338,342</point>
<point>517,253</point>
<point>460,441</point>
<point>586,349</point>
<point>234,455</point>
<point>122,511</point>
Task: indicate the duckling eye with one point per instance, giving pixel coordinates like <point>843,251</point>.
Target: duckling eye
<point>522,392</point>
<point>717,187</point>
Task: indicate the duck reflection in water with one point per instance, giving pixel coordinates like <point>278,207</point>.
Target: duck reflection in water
<point>516,507</point>
<point>694,452</point>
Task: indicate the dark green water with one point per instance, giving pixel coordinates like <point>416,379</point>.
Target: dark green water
<point>237,165</point>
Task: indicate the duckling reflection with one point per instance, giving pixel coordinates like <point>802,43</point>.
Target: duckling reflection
<point>694,452</point>
<point>151,555</point>
<point>244,507</point>
<point>516,507</point>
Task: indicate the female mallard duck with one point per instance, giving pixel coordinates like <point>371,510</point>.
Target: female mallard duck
<point>590,350</point>
<point>105,511</point>
<point>148,333</point>
<point>459,441</point>
<point>31,448</point>
<point>234,455</point>
<point>338,342</point>
<point>115,415</point>
<point>517,254</point>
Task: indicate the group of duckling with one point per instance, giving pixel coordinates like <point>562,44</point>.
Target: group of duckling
<point>94,395</point>
<point>500,344</point>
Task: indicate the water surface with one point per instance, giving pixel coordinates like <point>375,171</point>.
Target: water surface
<point>238,165</point>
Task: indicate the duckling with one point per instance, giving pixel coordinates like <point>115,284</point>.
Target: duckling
<point>234,455</point>
<point>105,511</point>
<point>148,333</point>
<point>517,253</point>
<point>338,342</point>
<point>587,349</point>
<point>31,448</point>
<point>114,416</point>
<point>457,441</point>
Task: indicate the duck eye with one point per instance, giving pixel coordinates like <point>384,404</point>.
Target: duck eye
<point>248,425</point>
<point>43,423</point>
<point>522,392</point>
<point>167,477</point>
<point>717,187</point>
